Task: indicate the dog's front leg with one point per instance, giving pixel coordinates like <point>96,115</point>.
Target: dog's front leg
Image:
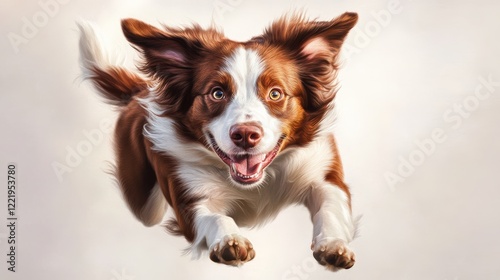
<point>333,227</point>
<point>222,237</point>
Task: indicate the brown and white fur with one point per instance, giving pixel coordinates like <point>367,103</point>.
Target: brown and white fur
<point>229,133</point>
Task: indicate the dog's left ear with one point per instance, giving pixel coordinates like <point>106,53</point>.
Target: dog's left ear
<point>315,45</point>
<point>326,38</point>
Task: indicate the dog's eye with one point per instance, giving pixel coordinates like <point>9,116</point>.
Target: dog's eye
<point>218,94</point>
<point>274,94</point>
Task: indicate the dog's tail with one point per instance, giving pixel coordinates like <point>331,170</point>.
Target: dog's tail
<point>116,84</point>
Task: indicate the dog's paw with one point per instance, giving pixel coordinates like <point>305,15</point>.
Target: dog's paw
<point>232,250</point>
<point>333,254</point>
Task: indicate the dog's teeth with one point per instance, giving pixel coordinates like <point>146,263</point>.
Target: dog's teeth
<point>247,176</point>
<point>230,243</point>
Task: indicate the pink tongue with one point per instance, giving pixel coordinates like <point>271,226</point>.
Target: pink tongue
<point>248,164</point>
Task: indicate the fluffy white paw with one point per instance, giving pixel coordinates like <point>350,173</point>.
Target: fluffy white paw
<point>333,253</point>
<point>233,250</point>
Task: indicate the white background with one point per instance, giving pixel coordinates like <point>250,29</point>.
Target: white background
<point>401,77</point>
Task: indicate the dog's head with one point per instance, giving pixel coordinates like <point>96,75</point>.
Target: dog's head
<point>245,101</point>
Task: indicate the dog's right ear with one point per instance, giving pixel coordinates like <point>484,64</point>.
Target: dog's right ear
<point>161,49</point>
<point>168,59</point>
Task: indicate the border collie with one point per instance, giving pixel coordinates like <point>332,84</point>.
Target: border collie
<point>229,133</point>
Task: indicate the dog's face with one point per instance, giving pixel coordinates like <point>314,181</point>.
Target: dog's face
<point>246,102</point>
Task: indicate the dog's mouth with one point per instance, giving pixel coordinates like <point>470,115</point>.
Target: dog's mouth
<point>247,168</point>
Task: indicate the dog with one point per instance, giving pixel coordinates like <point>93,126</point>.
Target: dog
<point>229,133</point>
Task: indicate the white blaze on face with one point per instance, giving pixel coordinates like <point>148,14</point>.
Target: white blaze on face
<point>245,106</point>
<point>245,67</point>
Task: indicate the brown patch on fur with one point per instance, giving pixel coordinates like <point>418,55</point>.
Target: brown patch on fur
<point>204,107</point>
<point>134,172</point>
<point>281,73</point>
<point>175,192</point>
<point>138,168</point>
<point>335,174</point>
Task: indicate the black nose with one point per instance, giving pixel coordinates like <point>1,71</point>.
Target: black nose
<point>246,135</point>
